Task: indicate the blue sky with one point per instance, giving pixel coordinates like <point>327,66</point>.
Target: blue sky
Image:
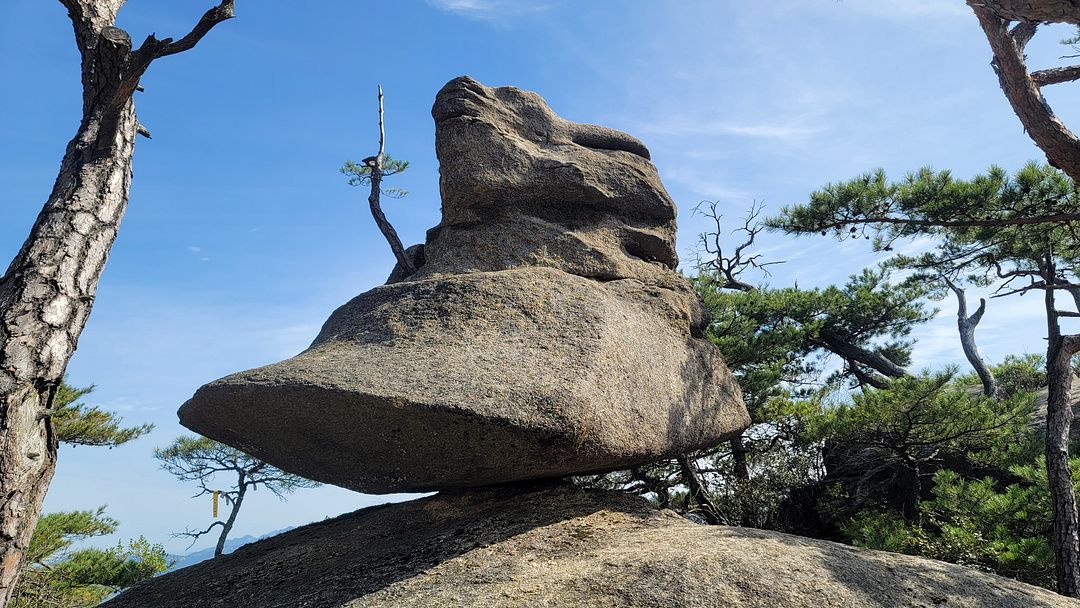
<point>242,237</point>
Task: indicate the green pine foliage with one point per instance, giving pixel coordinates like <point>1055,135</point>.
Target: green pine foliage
<point>76,423</point>
<point>360,174</point>
<point>980,523</point>
<point>56,575</point>
<point>772,338</point>
<point>920,420</point>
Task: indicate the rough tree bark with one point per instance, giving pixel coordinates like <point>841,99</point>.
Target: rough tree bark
<point>1062,149</point>
<point>1065,533</point>
<point>1061,146</point>
<point>1050,11</point>
<point>48,290</point>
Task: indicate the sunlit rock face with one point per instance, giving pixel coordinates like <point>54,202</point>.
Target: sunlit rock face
<point>545,332</point>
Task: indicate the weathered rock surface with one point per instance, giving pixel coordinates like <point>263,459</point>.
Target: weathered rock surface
<point>545,333</point>
<point>557,545</point>
<point>1038,419</point>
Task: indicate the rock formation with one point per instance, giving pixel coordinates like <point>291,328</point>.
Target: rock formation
<point>545,332</point>
<point>555,545</point>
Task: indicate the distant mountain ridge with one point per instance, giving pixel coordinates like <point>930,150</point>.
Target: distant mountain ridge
<point>232,544</point>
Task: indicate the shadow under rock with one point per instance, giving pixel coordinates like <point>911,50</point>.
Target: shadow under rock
<point>332,562</point>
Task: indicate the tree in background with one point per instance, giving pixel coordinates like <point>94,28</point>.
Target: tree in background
<point>990,231</point>
<point>200,460</point>
<point>780,344</point>
<point>370,172</point>
<point>846,442</point>
<point>55,575</point>
<point>909,432</point>
<point>48,290</point>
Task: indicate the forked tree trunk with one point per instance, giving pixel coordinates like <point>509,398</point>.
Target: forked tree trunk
<point>1021,88</point>
<point>966,325</point>
<point>47,292</point>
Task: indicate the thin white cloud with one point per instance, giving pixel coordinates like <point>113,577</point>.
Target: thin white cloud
<point>489,10</point>
<point>685,128</point>
<point>703,183</point>
<point>198,252</point>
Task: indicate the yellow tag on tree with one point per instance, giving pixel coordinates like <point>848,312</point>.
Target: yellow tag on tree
<point>215,503</point>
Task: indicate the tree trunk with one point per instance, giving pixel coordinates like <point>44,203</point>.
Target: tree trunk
<point>966,326</point>
<point>742,473</point>
<point>227,527</point>
<point>47,292</point>
<point>847,350</point>
<point>697,490</point>
<point>375,164</point>
<point>1065,537</point>
<point>1050,11</point>
<point>45,299</point>
<point>1059,415</point>
<point>1061,146</point>
<point>916,493</point>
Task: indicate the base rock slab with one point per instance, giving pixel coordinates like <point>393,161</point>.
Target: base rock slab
<point>556,545</point>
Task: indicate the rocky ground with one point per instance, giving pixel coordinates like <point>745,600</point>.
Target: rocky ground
<point>556,545</point>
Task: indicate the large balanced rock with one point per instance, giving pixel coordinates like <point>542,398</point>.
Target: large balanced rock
<point>560,546</point>
<point>545,333</point>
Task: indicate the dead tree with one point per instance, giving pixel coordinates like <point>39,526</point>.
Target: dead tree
<point>966,325</point>
<point>47,292</point>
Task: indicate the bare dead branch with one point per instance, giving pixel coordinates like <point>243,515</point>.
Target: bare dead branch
<point>153,48</point>
<point>731,267</point>
<point>195,535</point>
<point>222,12</point>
